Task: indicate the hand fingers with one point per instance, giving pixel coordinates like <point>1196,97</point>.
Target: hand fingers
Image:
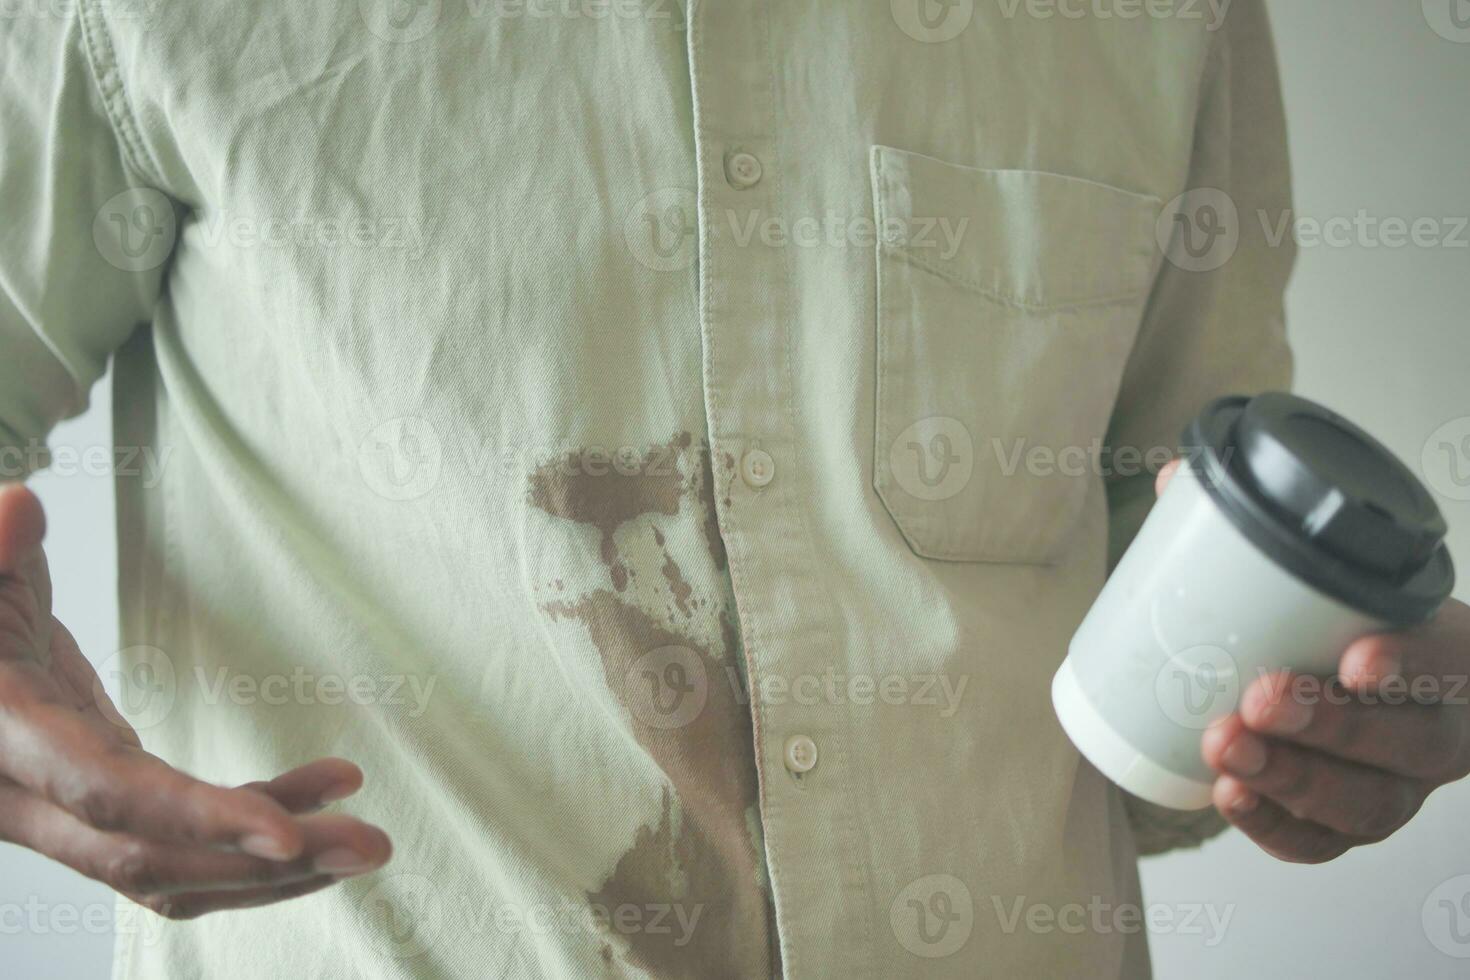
<point>1165,475</point>
<point>192,905</point>
<point>1425,742</point>
<point>22,526</point>
<point>1276,831</point>
<point>1429,663</point>
<point>312,786</point>
<point>25,585</point>
<point>52,750</point>
<point>1342,796</point>
<point>335,845</point>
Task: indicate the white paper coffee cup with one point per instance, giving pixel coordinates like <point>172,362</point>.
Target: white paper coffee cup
<point>1286,534</point>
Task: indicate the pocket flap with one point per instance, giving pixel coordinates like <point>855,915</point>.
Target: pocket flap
<point>1021,237</point>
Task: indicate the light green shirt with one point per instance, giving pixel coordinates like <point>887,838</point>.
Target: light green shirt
<point>505,389</point>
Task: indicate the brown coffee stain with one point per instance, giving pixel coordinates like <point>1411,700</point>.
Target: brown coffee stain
<point>704,489</point>
<point>606,495</point>
<point>703,856</point>
<point>700,856</point>
<point>681,589</point>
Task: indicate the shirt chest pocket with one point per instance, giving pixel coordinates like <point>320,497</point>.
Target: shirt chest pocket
<point>1008,301</point>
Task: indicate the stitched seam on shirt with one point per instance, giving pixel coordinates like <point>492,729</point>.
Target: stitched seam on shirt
<point>973,284</point>
<point>795,966</point>
<point>102,60</point>
<point>765,804</point>
<point>881,195</point>
<point>122,950</point>
<point>754,631</point>
<point>860,869</point>
<point>968,554</point>
<point>880,347</point>
<point>884,379</point>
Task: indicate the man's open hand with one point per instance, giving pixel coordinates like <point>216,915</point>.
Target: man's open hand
<point>77,785</point>
<point>1310,767</point>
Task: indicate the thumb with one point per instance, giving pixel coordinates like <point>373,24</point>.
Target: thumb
<point>22,526</point>
<point>25,582</point>
<point>1165,475</point>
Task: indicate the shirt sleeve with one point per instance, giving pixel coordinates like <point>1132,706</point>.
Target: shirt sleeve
<point>1215,322</point>
<point>85,239</point>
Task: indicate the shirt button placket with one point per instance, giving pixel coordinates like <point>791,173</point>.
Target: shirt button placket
<point>748,315</point>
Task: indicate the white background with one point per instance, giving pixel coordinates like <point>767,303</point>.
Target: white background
<point>1379,108</point>
<point>1379,111</point>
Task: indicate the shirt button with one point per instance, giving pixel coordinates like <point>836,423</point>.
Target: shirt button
<point>757,468</point>
<point>742,170</point>
<point>801,754</point>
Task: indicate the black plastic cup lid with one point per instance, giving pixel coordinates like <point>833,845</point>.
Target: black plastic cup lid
<point>1326,501</point>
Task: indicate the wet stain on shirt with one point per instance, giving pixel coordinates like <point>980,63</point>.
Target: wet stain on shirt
<point>702,859</point>
<point>681,589</point>
<point>606,491</point>
<point>705,489</point>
